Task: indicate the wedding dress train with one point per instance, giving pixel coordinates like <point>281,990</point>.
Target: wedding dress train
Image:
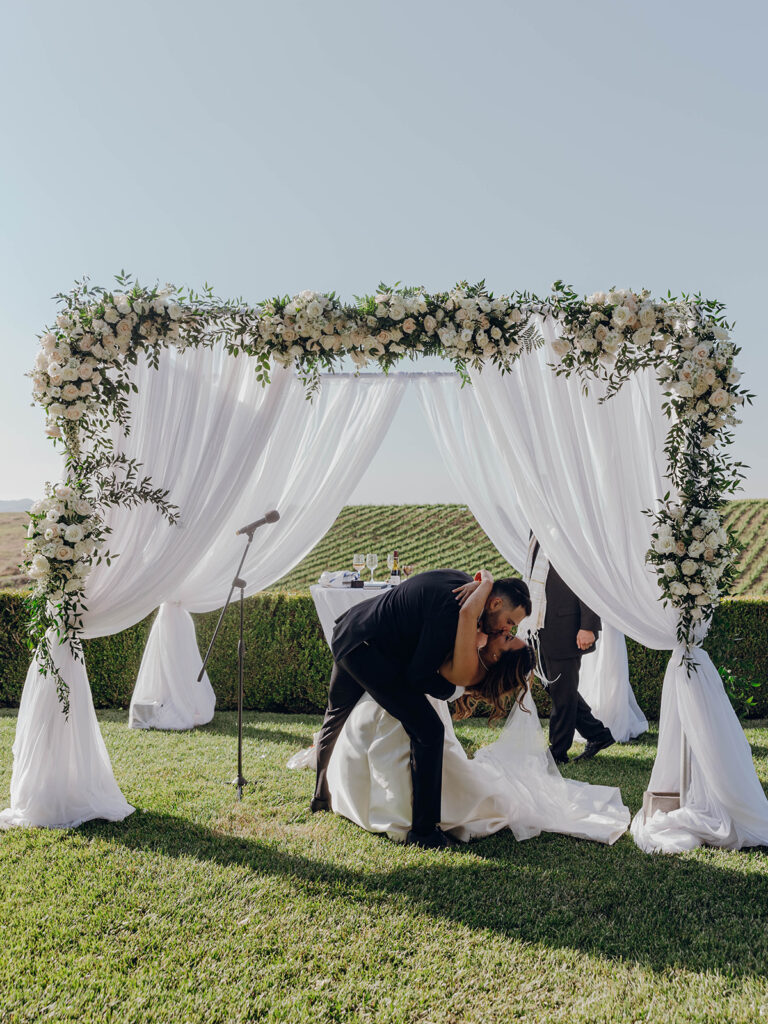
<point>510,783</point>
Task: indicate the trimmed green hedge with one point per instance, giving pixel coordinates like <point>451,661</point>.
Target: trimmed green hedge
<point>288,661</point>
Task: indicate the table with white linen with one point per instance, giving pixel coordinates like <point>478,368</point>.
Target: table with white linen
<point>331,602</point>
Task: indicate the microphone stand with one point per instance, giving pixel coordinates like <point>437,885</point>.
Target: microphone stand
<point>237,583</point>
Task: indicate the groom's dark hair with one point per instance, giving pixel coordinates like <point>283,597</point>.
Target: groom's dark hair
<point>514,591</point>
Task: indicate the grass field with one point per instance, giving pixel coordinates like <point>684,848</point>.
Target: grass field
<point>197,909</point>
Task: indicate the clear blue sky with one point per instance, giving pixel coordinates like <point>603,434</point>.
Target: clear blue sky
<point>271,147</point>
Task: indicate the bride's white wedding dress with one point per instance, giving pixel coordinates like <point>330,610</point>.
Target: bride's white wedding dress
<point>512,782</point>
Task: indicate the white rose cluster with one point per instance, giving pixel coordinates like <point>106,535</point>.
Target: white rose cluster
<point>702,381</point>
<point>598,330</point>
<point>466,323</point>
<point>60,542</point>
<point>88,340</point>
<point>691,551</point>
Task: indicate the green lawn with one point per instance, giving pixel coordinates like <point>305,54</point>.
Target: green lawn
<point>200,909</point>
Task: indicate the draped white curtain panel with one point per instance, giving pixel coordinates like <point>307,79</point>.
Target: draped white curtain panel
<point>470,453</point>
<point>228,450</point>
<point>584,471</point>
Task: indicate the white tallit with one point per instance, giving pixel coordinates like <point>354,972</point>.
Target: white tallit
<point>536,572</point>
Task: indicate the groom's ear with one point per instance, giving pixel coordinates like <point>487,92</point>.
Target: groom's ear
<point>493,603</point>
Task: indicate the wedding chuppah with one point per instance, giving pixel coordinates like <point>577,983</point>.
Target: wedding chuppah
<point>600,424</point>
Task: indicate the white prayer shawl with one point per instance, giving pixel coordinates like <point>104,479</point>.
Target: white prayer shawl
<point>536,572</point>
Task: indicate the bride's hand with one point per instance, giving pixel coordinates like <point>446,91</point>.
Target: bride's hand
<point>465,591</point>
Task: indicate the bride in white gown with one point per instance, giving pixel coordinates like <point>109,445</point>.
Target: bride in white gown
<point>512,782</point>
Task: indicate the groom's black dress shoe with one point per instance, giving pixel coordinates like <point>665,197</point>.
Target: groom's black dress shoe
<point>434,840</point>
<point>316,804</point>
<point>594,747</point>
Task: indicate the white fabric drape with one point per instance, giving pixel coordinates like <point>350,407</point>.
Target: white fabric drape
<point>228,450</point>
<point>585,472</point>
<point>470,453</point>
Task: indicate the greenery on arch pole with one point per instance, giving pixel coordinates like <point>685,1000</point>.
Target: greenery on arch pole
<point>82,378</point>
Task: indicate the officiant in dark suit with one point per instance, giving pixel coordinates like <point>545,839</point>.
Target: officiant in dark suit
<point>392,647</point>
<point>568,630</point>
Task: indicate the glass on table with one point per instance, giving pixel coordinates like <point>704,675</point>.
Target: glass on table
<point>358,562</point>
<point>371,561</point>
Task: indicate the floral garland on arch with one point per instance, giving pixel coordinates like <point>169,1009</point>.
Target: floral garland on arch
<point>82,378</point>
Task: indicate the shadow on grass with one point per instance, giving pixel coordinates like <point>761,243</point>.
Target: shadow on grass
<point>699,912</point>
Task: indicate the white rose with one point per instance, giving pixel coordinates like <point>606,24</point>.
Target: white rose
<point>515,315</point>
<point>73,413</point>
<point>69,392</point>
<point>733,377</point>
<point>695,588</point>
<point>719,399</point>
<point>561,347</point>
<point>688,567</point>
<point>678,589</point>
<point>397,311</point>
<point>40,564</point>
<point>683,388</point>
<point>647,316</point>
<point>73,533</point>
<point>596,299</point>
<point>601,333</point>
<point>72,586</point>
<point>586,343</point>
<point>696,548</point>
<point>642,337</point>
<point>670,568</point>
<point>63,321</point>
<point>158,306</point>
<point>409,325</point>
<point>174,311</point>
<point>111,315</point>
<point>720,333</point>
<point>701,352</point>
<point>430,324</point>
<point>466,335</point>
<point>621,317</point>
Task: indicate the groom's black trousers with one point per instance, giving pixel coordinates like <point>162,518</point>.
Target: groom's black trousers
<point>365,669</point>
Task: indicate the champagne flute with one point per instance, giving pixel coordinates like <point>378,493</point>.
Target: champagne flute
<point>371,561</point>
<point>358,562</point>
<point>391,561</point>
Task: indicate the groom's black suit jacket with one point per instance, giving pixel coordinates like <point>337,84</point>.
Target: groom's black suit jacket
<point>414,624</point>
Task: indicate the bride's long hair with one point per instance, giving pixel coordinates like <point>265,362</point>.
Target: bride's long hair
<point>507,680</point>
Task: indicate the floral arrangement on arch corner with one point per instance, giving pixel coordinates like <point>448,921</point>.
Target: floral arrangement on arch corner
<point>82,378</point>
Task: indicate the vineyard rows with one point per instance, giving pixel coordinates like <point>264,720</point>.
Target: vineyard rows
<point>440,536</point>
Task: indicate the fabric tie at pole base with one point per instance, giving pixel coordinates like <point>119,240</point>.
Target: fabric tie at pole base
<point>167,694</point>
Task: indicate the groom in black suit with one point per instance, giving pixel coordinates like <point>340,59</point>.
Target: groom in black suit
<point>392,647</point>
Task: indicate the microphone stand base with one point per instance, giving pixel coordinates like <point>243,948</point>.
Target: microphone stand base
<point>240,782</point>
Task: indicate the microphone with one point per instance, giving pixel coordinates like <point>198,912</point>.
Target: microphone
<point>269,517</point>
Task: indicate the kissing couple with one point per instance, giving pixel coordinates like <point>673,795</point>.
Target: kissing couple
<point>387,756</point>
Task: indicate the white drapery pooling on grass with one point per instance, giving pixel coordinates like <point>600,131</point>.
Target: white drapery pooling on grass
<point>227,449</point>
<point>470,452</point>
